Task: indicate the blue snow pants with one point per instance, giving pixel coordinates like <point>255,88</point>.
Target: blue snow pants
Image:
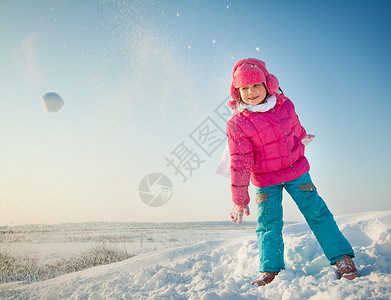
<point>314,210</point>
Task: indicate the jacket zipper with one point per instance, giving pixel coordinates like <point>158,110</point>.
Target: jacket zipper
<point>286,139</point>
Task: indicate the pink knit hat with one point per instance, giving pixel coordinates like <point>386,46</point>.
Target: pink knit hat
<point>251,71</point>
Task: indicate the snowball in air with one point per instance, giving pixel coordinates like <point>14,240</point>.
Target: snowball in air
<point>52,102</point>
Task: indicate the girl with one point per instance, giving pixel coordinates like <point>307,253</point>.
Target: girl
<point>266,143</point>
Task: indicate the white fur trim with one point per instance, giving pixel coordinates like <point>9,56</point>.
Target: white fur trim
<point>263,107</point>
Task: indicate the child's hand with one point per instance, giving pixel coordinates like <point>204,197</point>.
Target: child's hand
<point>237,213</point>
<point>307,139</point>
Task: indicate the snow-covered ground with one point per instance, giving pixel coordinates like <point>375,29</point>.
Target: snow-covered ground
<point>49,243</point>
<point>225,268</point>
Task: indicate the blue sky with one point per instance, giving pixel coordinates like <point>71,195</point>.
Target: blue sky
<point>139,78</point>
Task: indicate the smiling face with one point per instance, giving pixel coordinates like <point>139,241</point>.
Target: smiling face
<point>253,94</point>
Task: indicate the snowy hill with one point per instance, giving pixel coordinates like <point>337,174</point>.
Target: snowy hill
<point>225,270</point>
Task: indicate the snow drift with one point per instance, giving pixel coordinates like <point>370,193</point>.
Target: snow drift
<point>225,270</point>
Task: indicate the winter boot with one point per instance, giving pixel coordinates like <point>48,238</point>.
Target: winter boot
<point>266,278</point>
<point>346,268</point>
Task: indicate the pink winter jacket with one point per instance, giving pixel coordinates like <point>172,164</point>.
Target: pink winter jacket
<point>265,147</point>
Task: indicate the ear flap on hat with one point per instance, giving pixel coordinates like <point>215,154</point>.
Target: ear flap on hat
<point>234,93</point>
<point>272,84</point>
